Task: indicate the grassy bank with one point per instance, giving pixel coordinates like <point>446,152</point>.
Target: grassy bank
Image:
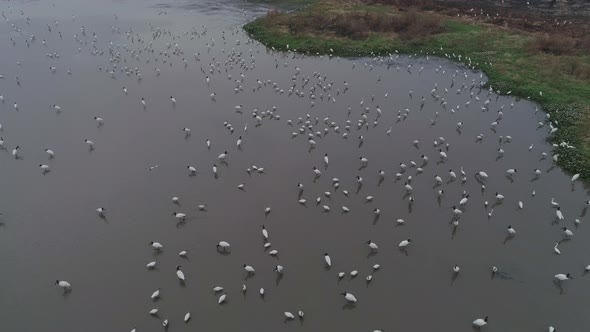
<point>551,69</point>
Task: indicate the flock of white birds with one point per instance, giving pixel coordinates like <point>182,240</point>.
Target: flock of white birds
<point>135,54</point>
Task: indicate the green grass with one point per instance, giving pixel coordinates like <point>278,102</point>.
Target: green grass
<point>502,54</point>
<point>459,27</point>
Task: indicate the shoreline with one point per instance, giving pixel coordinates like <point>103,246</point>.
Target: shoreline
<point>505,55</point>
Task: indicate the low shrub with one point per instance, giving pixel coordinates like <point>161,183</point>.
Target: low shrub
<point>553,44</point>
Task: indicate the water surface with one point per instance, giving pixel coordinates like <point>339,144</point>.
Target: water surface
<point>50,229</point>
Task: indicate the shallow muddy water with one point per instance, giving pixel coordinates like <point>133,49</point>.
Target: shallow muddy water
<point>49,227</point>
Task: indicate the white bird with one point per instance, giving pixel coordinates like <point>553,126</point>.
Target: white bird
<point>192,170</point>
<point>249,269</point>
<point>44,168</point>
<point>99,121</point>
<point>456,269</point>
<point>408,187</point>
<point>101,211</point>
<point>154,311</point>
<point>567,232</point>
<point>15,152</point>
<point>555,249</point>
<point>63,284</point>
<point>372,245</point>
<point>463,200</point>
<point>480,322</point>
<point>559,214</point>
<point>179,273</point>
<point>223,245</point>
<point>180,216</point>
<point>349,297</point>
<point>155,294</point>
<point>223,156</point>
<point>151,265</point>
<point>50,153</point>
<point>364,161</point>
<point>289,315</point>
<point>187,317</point>
<point>264,233</point>
<point>438,179</point>
<point>575,177</point>
<point>562,277</point>
<point>222,299</point>
<point>317,172</point>
<point>328,260</point>
<point>90,144</point>
<point>156,245</point>
<point>511,231</point>
<point>404,243</point>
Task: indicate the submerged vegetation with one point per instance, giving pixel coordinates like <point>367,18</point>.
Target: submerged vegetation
<point>551,67</point>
